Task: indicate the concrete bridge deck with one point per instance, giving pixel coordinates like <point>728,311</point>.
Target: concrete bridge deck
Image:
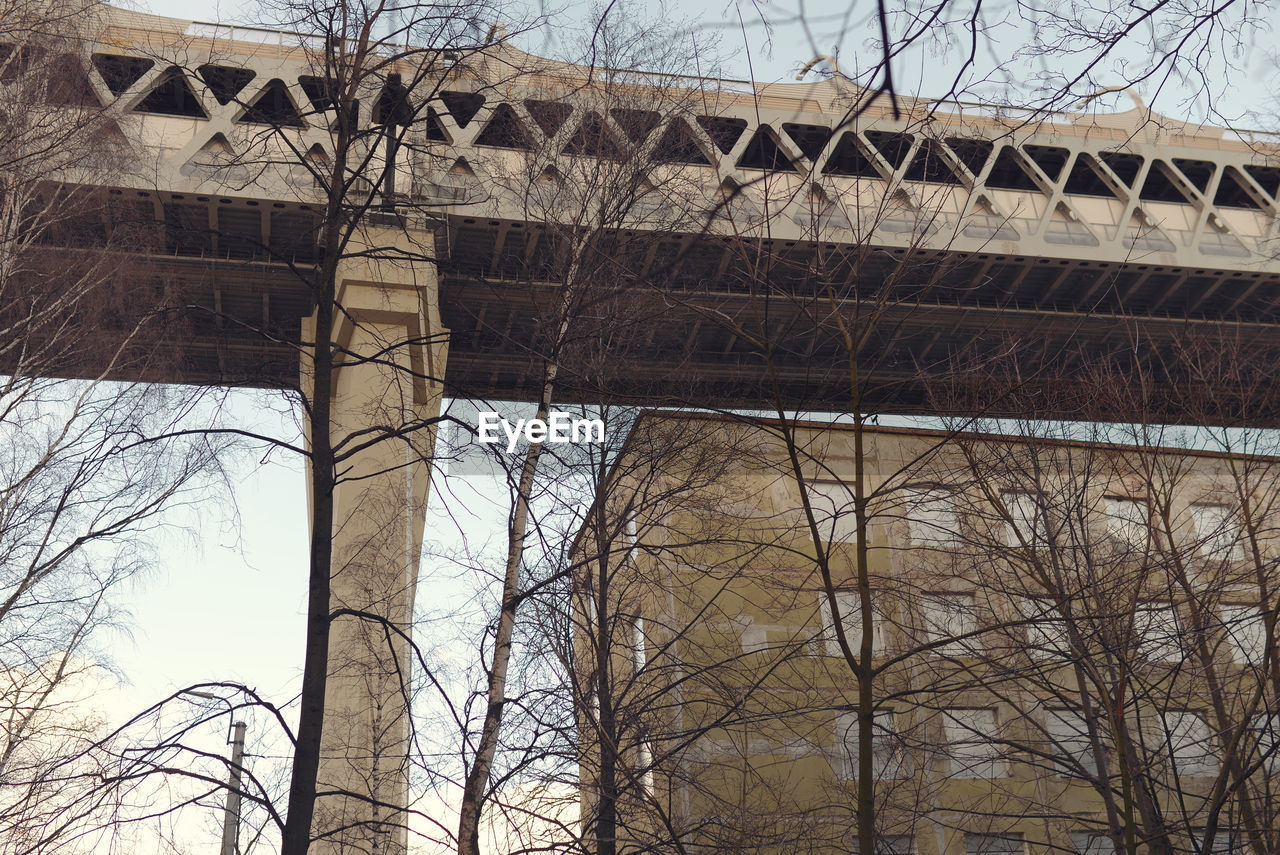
<point>1063,229</point>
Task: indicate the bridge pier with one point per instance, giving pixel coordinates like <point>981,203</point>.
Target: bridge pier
<point>390,353</point>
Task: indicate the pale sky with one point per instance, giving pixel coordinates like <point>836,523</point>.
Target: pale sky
<point>798,30</point>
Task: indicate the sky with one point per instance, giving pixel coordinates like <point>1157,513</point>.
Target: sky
<point>770,40</point>
<point>226,599</point>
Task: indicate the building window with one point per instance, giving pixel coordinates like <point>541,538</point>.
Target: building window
<point>639,655</point>
<point>994,844</point>
<point>851,619</point>
<point>1266,729</point>
<point>1226,841</point>
<point>1026,520</point>
<point>1046,629</point>
<point>932,519</point>
<point>755,637</point>
<point>950,621</point>
<point>896,844</point>
<point>1091,843</point>
<point>709,750</point>
<point>1189,744</point>
<point>1156,629</point>
<point>1216,532</point>
<point>889,844</point>
<point>1246,632</point>
<point>1127,522</point>
<point>972,744</point>
<point>886,754</point>
<point>832,504</point>
<point>1070,743</point>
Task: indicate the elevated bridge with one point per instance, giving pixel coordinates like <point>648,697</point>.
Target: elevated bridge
<point>1042,231</point>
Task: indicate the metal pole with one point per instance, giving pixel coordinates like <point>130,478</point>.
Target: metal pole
<point>231,819</point>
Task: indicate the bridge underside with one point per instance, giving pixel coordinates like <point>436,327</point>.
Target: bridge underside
<point>678,320</point>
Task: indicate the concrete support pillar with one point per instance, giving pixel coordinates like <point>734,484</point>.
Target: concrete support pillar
<point>391,355</point>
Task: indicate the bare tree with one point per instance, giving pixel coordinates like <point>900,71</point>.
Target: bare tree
<point>585,168</point>
<point>1121,586</point>
<point>836,324</point>
<point>341,138</point>
<point>600,185</point>
<point>79,495</point>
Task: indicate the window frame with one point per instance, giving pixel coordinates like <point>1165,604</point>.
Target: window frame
<point>1092,843</point>
<point>1172,746</point>
<point>1221,540</point>
<point>1013,502</point>
<point>828,645</point>
<point>924,529</point>
<point>1168,647</point>
<point>1226,841</point>
<point>1239,623</point>
<point>1123,531</point>
<point>934,632</point>
<point>1018,844</point>
<point>1266,734</point>
<point>1082,756</point>
<point>836,520</point>
<point>886,752</point>
<point>1040,643</point>
<point>961,733</point>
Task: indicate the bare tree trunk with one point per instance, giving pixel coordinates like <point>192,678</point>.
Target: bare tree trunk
<point>866,801</point>
<point>477,783</point>
<point>605,831</point>
<point>306,763</point>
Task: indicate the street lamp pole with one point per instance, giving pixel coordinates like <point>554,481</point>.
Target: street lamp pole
<point>231,814</point>
<point>231,818</point>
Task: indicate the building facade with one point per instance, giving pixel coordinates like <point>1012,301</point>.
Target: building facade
<point>1070,645</point>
